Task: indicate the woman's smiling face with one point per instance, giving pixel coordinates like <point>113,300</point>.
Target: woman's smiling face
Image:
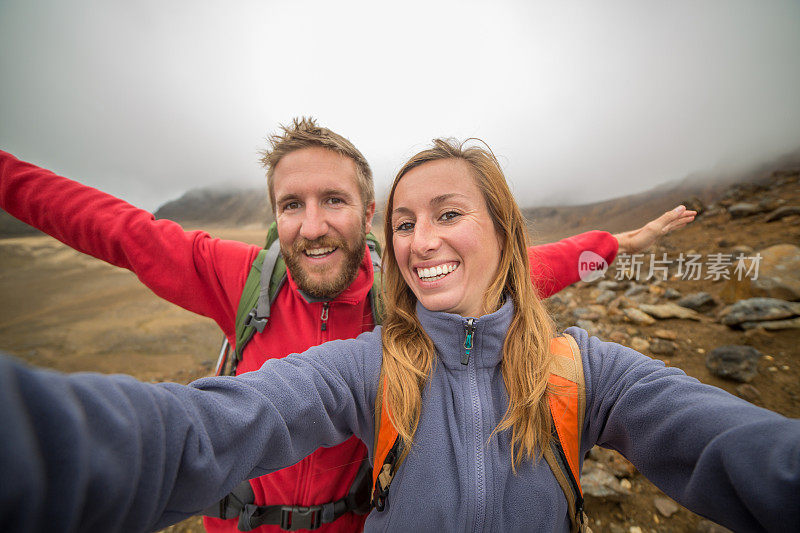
<point>444,240</point>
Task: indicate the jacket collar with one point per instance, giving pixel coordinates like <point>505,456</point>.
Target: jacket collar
<point>354,294</point>
<point>448,332</point>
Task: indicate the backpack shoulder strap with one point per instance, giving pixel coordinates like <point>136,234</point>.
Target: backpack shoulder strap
<point>266,277</point>
<point>377,270</point>
<point>567,401</point>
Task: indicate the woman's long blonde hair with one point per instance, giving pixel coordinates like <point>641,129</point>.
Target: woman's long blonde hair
<point>408,352</point>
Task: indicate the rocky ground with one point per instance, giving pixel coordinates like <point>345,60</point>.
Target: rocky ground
<point>739,335</point>
<point>66,311</point>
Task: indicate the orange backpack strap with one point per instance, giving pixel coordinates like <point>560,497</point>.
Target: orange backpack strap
<point>387,450</point>
<point>567,399</point>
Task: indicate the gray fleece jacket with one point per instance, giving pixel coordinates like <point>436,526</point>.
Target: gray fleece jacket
<point>87,452</point>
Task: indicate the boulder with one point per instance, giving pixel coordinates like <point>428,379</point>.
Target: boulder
<point>778,273</point>
<point>669,310</point>
<point>698,301</point>
<point>758,310</point>
<point>735,362</point>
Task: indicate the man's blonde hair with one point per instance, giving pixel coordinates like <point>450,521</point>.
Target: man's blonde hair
<point>304,132</point>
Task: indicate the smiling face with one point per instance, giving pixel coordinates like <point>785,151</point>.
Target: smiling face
<point>321,219</point>
<point>445,243</point>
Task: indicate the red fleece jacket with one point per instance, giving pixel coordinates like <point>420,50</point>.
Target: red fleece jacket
<point>206,276</point>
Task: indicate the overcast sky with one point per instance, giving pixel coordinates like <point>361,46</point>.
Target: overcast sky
<point>580,100</point>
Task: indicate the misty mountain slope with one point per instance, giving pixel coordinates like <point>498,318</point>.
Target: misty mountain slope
<point>218,207</point>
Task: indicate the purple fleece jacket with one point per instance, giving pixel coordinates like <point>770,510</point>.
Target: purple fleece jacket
<point>87,452</point>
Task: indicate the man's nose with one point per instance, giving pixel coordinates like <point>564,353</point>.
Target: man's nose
<point>314,224</point>
<point>426,239</point>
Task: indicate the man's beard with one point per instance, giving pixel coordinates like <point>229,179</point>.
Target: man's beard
<point>327,288</point>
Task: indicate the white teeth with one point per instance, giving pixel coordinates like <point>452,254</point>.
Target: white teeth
<point>320,251</point>
<point>437,272</point>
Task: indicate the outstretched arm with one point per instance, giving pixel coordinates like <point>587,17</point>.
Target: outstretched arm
<point>718,455</point>
<point>555,266</point>
<point>190,269</point>
<point>643,238</point>
<point>109,453</point>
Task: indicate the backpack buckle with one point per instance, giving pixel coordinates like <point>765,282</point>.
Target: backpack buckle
<point>253,320</point>
<point>296,517</point>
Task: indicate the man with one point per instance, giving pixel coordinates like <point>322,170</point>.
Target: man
<point>321,191</point>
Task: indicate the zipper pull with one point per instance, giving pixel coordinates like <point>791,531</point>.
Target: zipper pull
<point>324,316</point>
<point>469,327</point>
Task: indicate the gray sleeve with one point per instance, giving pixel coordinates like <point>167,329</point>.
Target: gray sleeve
<point>718,455</point>
<point>109,453</point>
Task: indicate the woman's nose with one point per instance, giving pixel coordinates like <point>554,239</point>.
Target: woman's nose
<point>426,239</point>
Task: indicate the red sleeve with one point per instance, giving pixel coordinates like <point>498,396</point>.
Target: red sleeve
<point>190,269</point>
<point>554,266</point>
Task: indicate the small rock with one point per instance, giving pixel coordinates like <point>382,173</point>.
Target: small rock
<point>699,301</point>
<point>669,310</point>
<point>611,285</point>
<point>626,484</point>
<point>662,347</point>
<point>635,529</point>
<point>605,296</point>
<point>588,325</point>
<point>748,392</point>
<point>639,317</point>
<point>665,506</point>
<point>782,212</point>
<point>735,362</point>
<point>597,481</point>
<point>784,367</point>
<point>639,344</point>
<point>662,333</point>
<point>757,310</point>
<point>772,369</point>
<point>767,358</point>
<point>742,250</point>
<point>743,209</point>
<point>635,289</point>
<point>706,526</point>
<point>671,294</point>
<point>585,313</point>
<point>620,337</point>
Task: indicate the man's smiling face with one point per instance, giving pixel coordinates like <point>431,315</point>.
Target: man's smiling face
<point>321,219</point>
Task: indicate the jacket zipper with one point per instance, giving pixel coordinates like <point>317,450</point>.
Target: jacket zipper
<point>477,424</point>
<point>469,328</point>
<point>324,317</point>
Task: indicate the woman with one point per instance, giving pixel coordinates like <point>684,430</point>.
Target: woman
<point>462,367</point>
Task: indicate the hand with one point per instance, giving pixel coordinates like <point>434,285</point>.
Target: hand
<point>639,240</point>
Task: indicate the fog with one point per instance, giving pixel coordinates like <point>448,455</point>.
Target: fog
<point>581,101</point>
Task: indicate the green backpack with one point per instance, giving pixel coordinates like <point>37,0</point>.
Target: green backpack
<point>267,276</point>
